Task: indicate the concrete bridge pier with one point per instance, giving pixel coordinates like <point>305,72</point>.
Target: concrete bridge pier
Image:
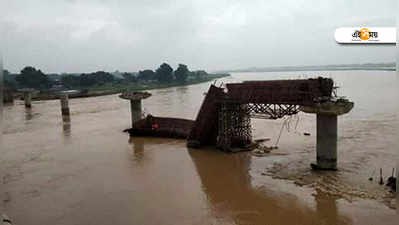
<point>326,142</point>
<point>65,108</point>
<point>135,103</point>
<point>135,110</point>
<point>27,93</point>
<point>28,99</point>
<point>327,131</point>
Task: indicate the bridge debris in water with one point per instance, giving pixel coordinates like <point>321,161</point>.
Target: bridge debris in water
<point>224,119</point>
<point>162,127</point>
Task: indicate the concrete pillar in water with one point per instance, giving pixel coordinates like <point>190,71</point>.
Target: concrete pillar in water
<point>135,109</point>
<point>327,131</point>
<point>28,99</point>
<point>135,103</point>
<point>65,108</point>
<point>326,146</point>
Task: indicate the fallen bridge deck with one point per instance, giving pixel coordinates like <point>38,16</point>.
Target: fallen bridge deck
<point>288,92</point>
<point>270,99</point>
<point>162,127</point>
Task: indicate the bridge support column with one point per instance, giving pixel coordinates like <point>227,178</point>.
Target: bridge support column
<point>135,109</point>
<point>28,99</point>
<point>327,131</point>
<point>65,108</point>
<point>234,127</point>
<point>27,93</point>
<point>135,103</point>
<point>326,142</point>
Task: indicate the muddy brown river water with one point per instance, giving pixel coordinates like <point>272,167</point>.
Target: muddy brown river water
<point>90,172</point>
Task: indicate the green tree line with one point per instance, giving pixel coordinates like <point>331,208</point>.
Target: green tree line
<point>30,77</point>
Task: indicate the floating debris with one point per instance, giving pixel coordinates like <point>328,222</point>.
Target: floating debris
<point>263,150</point>
<point>5,220</point>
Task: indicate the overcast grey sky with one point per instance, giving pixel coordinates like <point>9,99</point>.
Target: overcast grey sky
<point>130,35</point>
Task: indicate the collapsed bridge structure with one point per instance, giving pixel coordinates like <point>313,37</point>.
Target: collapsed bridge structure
<point>224,119</point>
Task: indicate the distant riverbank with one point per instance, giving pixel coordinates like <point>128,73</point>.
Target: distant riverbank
<point>364,67</point>
<point>111,88</point>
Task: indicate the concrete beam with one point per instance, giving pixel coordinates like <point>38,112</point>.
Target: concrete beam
<point>329,108</point>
